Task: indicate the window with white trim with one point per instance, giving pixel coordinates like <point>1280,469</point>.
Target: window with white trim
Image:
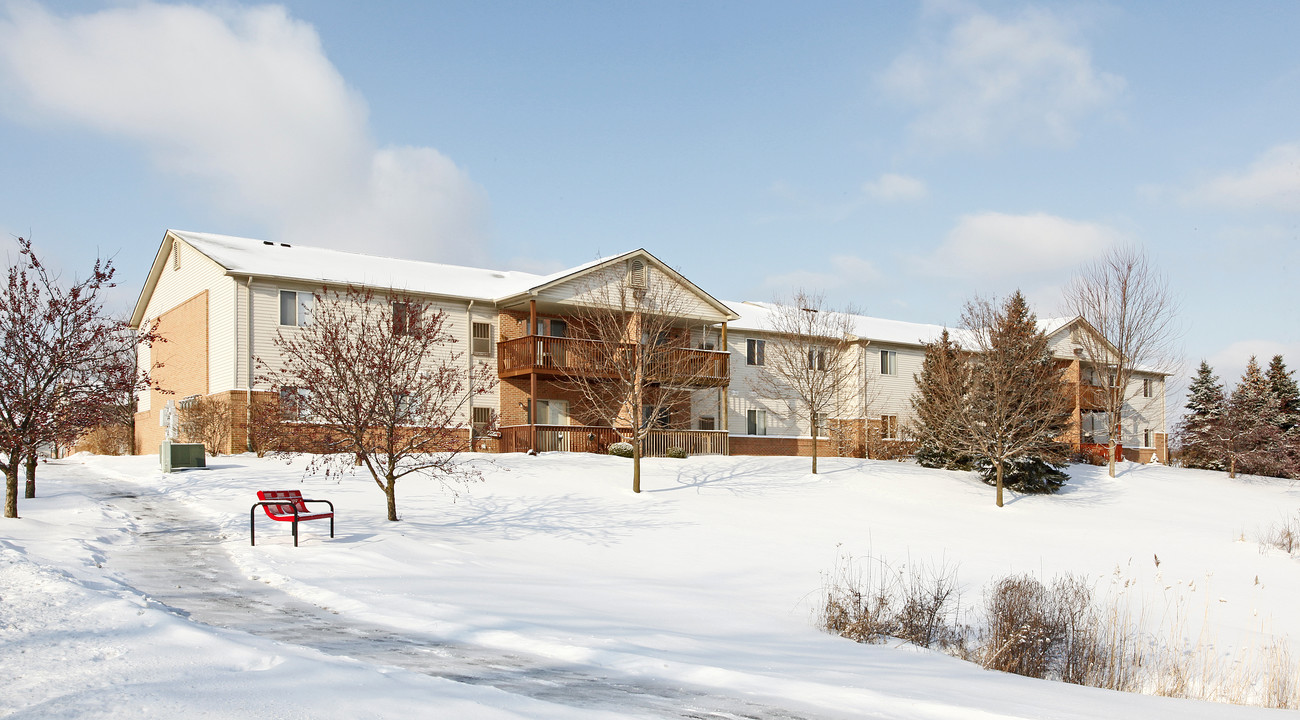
<point>755,422</point>
<point>295,307</point>
<point>821,421</point>
<point>1148,387</point>
<point>406,318</point>
<point>295,403</point>
<point>888,362</point>
<point>889,427</point>
<point>816,359</point>
<point>755,352</point>
<point>483,418</point>
<point>481,338</point>
<point>1146,438</point>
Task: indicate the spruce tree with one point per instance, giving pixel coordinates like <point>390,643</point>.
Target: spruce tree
<point>1286,395</point>
<point>941,388</point>
<point>1205,405</point>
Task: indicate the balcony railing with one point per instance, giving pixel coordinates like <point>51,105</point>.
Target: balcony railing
<point>597,358</point>
<point>586,438</point>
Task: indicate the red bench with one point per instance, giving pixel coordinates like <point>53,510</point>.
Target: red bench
<point>286,506</point>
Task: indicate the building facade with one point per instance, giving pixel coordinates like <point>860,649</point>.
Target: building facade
<point>221,301</point>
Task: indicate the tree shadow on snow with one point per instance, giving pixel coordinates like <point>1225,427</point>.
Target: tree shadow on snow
<point>750,476</point>
<point>568,516</point>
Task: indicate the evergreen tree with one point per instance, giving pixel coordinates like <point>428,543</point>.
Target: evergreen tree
<point>941,388</point>
<point>1282,387</point>
<point>1246,437</point>
<point>1255,395</point>
<point>1205,405</point>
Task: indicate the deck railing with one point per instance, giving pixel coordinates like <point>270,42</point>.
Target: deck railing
<point>588,438</point>
<point>597,358</point>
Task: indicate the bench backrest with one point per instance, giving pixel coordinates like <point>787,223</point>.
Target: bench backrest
<point>290,498</point>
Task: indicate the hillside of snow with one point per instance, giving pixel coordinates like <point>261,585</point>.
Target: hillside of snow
<point>700,591</point>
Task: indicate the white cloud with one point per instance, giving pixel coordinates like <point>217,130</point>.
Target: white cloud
<point>1272,181</point>
<point>998,245</point>
<point>243,104</point>
<point>988,79</point>
<point>845,271</point>
<point>890,188</point>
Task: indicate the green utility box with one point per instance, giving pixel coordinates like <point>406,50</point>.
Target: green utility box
<point>182,455</point>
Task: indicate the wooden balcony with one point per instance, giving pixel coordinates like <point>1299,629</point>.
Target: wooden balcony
<point>555,356</point>
<point>584,438</point>
<point>1093,397</point>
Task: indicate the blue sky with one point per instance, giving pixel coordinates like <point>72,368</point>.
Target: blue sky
<point>900,157</point>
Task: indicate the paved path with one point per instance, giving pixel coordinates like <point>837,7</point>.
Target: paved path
<point>178,561</point>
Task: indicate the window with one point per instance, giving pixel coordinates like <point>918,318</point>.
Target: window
<point>889,427</point>
<point>756,422</point>
<point>636,275</point>
<point>888,362</point>
<point>1148,389</point>
<point>708,423</point>
<point>816,359</point>
<point>295,403</point>
<point>482,419</point>
<point>1146,438</point>
<point>551,327</point>
<point>552,412</point>
<point>481,339</point>
<point>650,418</point>
<point>406,318</point>
<point>295,307</point>
<point>406,408</point>
<point>822,423</point>
<point>755,350</point>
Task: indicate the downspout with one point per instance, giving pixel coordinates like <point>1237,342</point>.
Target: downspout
<point>248,408</point>
<point>469,365</point>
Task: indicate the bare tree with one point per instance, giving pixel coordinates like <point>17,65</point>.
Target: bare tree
<point>1015,403</point>
<point>633,365</point>
<point>56,341</point>
<point>1128,302</point>
<point>206,420</point>
<point>267,430</point>
<point>812,360</point>
<point>374,383</point>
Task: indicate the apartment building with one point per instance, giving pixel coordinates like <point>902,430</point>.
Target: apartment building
<point>221,301</point>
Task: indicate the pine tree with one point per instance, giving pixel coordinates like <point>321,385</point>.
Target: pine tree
<point>1246,437</point>
<point>1205,405</point>
<point>941,388</point>
<point>1282,387</point>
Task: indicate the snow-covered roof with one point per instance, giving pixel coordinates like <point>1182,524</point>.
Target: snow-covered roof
<point>759,316</point>
<point>263,258</point>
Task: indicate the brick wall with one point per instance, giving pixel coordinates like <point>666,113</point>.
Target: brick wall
<point>180,366</point>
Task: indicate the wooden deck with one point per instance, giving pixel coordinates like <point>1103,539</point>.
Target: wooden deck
<point>554,356</point>
<point>586,438</point>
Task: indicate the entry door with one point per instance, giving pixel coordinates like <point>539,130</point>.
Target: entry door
<point>550,353</point>
<point>552,412</point>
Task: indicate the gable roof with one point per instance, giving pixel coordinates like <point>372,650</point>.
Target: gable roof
<point>247,257</point>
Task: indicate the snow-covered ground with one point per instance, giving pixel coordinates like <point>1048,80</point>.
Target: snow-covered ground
<point>700,591</point>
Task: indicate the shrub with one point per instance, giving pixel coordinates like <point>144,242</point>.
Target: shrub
<point>918,604</point>
<point>621,449</point>
<point>1024,474</point>
<point>676,452</point>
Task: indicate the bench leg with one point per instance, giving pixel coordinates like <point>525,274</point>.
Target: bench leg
<point>295,532</point>
<point>331,526</point>
<point>252,527</point>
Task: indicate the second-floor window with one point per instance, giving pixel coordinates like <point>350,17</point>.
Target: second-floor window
<point>755,351</point>
<point>481,339</point>
<point>888,362</point>
<point>406,318</point>
<point>295,307</point>
<point>1148,387</point>
<point>816,359</point>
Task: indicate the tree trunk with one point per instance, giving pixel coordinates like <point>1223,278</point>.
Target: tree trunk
<point>31,477</point>
<point>11,490</point>
<point>999,483</point>
<point>390,491</point>
<point>636,464</point>
<point>814,447</point>
<point>1232,471</point>
<point>1110,457</point>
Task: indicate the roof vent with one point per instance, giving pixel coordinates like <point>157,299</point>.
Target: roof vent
<point>285,245</point>
<point>267,242</point>
<point>497,275</point>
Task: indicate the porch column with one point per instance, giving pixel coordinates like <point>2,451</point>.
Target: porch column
<point>724,411</point>
<point>532,376</point>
